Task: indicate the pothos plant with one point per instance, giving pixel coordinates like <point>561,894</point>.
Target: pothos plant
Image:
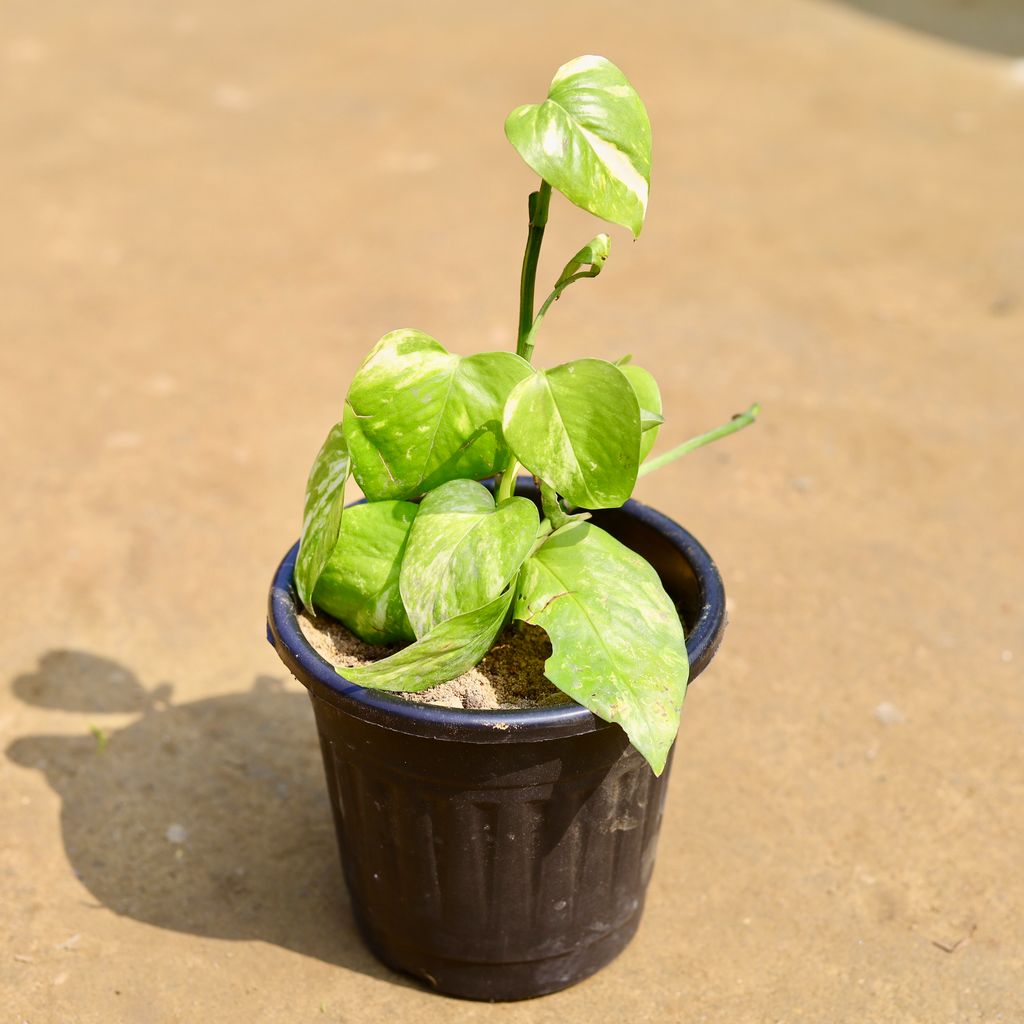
<point>437,561</point>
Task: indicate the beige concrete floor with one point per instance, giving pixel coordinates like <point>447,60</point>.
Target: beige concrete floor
<point>211,211</point>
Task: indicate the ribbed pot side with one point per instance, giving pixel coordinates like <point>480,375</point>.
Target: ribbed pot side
<point>497,855</point>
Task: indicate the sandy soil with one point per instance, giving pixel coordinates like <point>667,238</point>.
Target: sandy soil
<point>209,214</point>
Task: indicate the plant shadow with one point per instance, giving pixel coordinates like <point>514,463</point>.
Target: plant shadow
<point>209,817</point>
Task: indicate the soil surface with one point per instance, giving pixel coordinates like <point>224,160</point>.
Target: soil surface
<point>511,674</point>
<point>212,211</point>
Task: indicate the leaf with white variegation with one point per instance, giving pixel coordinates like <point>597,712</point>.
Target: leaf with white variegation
<point>359,585</point>
<point>649,397</point>
<point>417,415</point>
<point>463,551</point>
<point>321,521</point>
<point>449,649</point>
<point>577,427</point>
<point>617,643</point>
<point>591,140</point>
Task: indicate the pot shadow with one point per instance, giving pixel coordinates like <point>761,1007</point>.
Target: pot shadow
<point>209,817</point>
<point>996,26</point>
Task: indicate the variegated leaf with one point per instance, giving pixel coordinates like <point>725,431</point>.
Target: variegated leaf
<point>577,427</point>
<point>617,643</point>
<point>449,649</point>
<point>325,500</point>
<point>418,416</point>
<point>649,396</point>
<point>463,551</point>
<point>359,584</point>
<point>591,140</point>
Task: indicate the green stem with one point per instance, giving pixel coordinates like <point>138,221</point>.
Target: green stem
<point>528,342</point>
<point>508,480</point>
<point>539,203</point>
<point>738,422</point>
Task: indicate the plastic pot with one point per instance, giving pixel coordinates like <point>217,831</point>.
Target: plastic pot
<point>497,854</point>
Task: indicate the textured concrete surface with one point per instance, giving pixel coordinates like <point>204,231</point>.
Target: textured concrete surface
<point>210,212</point>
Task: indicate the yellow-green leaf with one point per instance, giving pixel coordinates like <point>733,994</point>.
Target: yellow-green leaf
<point>577,427</point>
<point>617,643</point>
<point>463,551</point>
<point>359,585</point>
<point>417,415</point>
<point>591,140</point>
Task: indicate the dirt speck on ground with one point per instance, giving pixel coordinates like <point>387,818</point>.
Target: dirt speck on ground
<point>510,676</point>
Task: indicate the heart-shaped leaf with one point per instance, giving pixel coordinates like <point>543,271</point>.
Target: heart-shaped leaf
<point>617,643</point>
<point>449,649</point>
<point>359,584</point>
<point>321,521</point>
<point>591,140</point>
<point>418,416</point>
<point>649,397</point>
<point>577,427</point>
<point>463,551</point>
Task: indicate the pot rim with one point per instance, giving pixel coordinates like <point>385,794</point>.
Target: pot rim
<point>476,726</point>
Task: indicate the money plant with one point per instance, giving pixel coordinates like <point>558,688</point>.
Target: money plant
<point>439,562</point>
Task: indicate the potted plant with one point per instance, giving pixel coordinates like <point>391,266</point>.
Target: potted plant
<point>500,854</point>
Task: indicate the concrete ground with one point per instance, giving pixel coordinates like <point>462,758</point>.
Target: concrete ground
<point>210,212</point>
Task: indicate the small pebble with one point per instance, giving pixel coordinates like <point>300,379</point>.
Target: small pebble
<point>889,714</point>
<point>176,834</point>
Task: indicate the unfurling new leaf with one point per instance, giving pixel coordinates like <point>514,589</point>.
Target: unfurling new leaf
<point>592,256</point>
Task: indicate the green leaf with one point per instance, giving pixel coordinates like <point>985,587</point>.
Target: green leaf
<point>649,397</point>
<point>449,649</point>
<point>617,643</point>
<point>359,585</point>
<point>418,416</point>
<point>577,427</point>
<point>321,521</point>
<point>592,256</point>
<point>463,551</point>
<point>591,140</point>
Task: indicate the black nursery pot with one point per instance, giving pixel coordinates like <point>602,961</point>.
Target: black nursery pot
<point>497,854</point>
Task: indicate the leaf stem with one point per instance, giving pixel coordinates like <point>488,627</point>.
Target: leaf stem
<point>738,422</point>
<point>528,342</point>
<point>508,480</point>
<point>539,203</point>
